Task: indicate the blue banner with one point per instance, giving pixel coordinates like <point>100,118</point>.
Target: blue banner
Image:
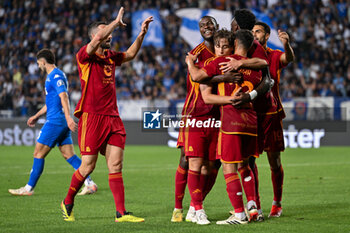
<point>154,35</point>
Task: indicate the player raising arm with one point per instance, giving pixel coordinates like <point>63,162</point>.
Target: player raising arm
<point>100,128</point>
<point>272,140</point>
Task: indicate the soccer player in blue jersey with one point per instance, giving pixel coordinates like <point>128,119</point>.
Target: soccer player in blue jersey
<point>58,126</point>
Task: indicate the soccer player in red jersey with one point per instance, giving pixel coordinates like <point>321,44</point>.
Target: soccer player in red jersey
<point>273,141</point>
<point>265,103</point>
<point>198,149</point>
<point>237,137</point>
<point>100,128</point>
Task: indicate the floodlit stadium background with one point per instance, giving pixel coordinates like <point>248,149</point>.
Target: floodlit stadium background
<point>315,87</point>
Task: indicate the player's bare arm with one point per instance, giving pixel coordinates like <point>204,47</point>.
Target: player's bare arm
<point>105,32</point>
<point>251,63</point>
<point>65,104</point>
<point>229,77</point>
<point>135,47</point>
<point>288,55</point>
<point>33,119</point>
<point>210,98</point>
<point>197,74</point>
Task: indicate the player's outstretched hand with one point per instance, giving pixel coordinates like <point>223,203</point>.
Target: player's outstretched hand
<point>190,58</point>
<point>283,36</point>
<point>145,24</point>
<point>31,121</point>
<point>232,64</point>
<point>119,18</point>
<point>72,125</point>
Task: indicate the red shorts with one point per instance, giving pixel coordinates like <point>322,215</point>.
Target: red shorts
<point>270,133</point>
<point>201,142</point>
<point>95,131</point>
<point>234,148</point>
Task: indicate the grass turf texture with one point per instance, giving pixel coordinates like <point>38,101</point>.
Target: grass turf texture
<point>315,195</point>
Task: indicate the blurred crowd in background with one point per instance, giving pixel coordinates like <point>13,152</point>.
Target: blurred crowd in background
<point>319,30</point>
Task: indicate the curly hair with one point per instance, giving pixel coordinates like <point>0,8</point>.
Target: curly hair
<point>245,19</point>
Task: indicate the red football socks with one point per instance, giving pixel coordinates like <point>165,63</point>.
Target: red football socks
<point>248,182</point>
<point>257,195</point>
<point>117,187</point>
<point>180,186</point>
<point>76,183</point>
<point>210,182</point>
<point>195,189</point>
<point>234,191</point>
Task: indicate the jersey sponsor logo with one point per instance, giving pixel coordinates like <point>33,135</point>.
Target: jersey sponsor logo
<point>60,83</point>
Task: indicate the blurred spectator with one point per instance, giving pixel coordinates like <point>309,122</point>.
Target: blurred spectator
<point>320,37</point>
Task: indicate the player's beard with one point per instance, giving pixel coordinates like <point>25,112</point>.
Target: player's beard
<point>105,45</point>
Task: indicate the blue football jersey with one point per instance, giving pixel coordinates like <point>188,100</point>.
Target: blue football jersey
<point>56,83</point>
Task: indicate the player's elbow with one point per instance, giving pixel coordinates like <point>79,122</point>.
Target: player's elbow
<point>263,63</point>
<point>196,78</point>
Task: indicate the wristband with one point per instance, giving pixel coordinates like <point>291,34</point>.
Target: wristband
<point>253,94</point>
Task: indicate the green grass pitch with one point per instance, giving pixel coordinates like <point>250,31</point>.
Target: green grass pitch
<point>316,194</point>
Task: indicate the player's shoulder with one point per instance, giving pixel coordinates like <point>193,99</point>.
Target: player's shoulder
<point>273,51</point>
<point>201,48</point>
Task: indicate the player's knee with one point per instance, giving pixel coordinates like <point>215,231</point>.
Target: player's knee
<point>274,160</point>
<point>38,155</point>
<point>115,166</point>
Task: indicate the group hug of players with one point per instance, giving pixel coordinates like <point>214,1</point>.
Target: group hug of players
<point>232,76</point>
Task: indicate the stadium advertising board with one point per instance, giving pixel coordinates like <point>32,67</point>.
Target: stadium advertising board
<point>297,134</point>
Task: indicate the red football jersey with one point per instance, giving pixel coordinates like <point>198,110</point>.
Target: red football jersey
<point>97,77</point>
<point>257,51</point>
<point>236,120</point>
<point>194,103</point>
<point>263,104</point>
<point>275,70</point>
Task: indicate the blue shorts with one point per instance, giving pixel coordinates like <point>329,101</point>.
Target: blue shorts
<point>51,135</point>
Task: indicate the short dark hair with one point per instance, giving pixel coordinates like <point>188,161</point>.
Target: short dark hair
<point>245,19</point>
<point>94,25</point>
<point>47,54</point>
<point>224,33</point>
<point>245,38</point>
<point>266,27</point>
<point>210,17</point>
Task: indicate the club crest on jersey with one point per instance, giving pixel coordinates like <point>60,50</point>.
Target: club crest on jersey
<point>108,70</point>
<point>60,83</point>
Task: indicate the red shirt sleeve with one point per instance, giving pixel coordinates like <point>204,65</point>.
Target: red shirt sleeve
<point>278,54</point>
<point>258,51</point>
<point>82,56</point>
<point>117,57</point>
<point>212,68</point>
